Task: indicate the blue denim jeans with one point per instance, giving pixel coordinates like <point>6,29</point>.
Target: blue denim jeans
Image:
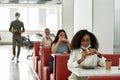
<point>51,64</point>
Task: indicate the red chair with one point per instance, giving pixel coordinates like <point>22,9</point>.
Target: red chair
<point>43,64</point>
<point>61,71</point>
<point>36,48</point>
<point>115,62</point>
<point>36,55</point>
<point>113,57</point>
<point>60,66</point>
<point>104,78</point>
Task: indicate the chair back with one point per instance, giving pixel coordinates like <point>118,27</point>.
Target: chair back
<point>113,57</point>
<point>61,71</point>
<point>36,48</point>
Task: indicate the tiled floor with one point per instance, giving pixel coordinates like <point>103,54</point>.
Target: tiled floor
<point>15,71</point>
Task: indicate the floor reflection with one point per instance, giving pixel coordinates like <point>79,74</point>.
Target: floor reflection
<point>15,71</point>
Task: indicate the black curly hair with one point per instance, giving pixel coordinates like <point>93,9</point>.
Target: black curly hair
<point>77,38</point>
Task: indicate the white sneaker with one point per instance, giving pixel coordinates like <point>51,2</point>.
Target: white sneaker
<point>13,58</point>
<point>17,60</point>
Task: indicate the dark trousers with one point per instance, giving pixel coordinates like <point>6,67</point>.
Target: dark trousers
<point>17,41</point>
<point>51,64</point>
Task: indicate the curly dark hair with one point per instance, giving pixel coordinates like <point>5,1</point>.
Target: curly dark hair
<point>77,38</point>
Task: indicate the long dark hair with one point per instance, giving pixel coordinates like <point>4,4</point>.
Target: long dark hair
<point>57,38</point>
<point>77,38</point>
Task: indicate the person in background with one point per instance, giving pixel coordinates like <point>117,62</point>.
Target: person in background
<point>60,45</point>
<point>47,39</point>
<point>16,28</point>
<point>84,53</point>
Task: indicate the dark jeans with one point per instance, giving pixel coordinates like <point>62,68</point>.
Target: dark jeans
<point>17,41</point>
<point>51,64</point>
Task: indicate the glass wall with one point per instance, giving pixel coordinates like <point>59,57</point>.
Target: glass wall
<point>34,17</point>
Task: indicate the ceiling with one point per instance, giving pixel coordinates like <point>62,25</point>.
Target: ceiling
<point>30,1</point>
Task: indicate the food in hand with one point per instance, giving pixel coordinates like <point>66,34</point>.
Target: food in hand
<point>85,67</point>
<point>88,67</point>
<point>88,52</point>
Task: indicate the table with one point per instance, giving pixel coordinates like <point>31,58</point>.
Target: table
<point>30,42</point>
<point>35,38</point>
<point>98,71</point>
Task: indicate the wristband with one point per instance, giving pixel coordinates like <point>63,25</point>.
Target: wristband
<point>99,55</point>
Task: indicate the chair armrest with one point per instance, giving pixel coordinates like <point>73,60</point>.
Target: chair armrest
<point>35,62</point>
<point>52,76</point>
<point>39,69</point>
<point>46,73</point>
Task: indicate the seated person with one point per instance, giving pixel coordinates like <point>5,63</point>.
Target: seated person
<point>84,53</point>
<point>60,45</point>
<point>47,39</point>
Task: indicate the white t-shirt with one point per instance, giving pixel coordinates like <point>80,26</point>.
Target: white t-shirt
<point>46,41</point>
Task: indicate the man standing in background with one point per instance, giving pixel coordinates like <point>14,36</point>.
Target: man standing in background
<point>16,27</point>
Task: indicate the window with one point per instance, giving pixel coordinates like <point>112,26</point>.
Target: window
<point>34,17</point>
<point>4,18</point>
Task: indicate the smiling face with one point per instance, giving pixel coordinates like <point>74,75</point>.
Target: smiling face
<point>85,40</point>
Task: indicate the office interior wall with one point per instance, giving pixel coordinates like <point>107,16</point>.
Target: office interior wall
<point>68,17</point>
<point>77,15</point>
<point>117,27</point>
<point>82,15</point>
<point>103,24</point>
<point>98,17</point>
<point>6,37</point>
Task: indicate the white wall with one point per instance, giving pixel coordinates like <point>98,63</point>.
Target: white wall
<point>97,16</point>
<point>77,14</point>
<point>68,17</point>
<point>117,27</point>
<point>103,24</point>
<point>6,37</point>
<point>82,15</point>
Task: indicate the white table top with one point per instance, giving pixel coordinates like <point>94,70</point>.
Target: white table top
<point>99,71</point>
<point>33,38</point>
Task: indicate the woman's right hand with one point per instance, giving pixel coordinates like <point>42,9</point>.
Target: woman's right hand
<point>60,39</point>
<point>63,40</point>
<point>84,54</point>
